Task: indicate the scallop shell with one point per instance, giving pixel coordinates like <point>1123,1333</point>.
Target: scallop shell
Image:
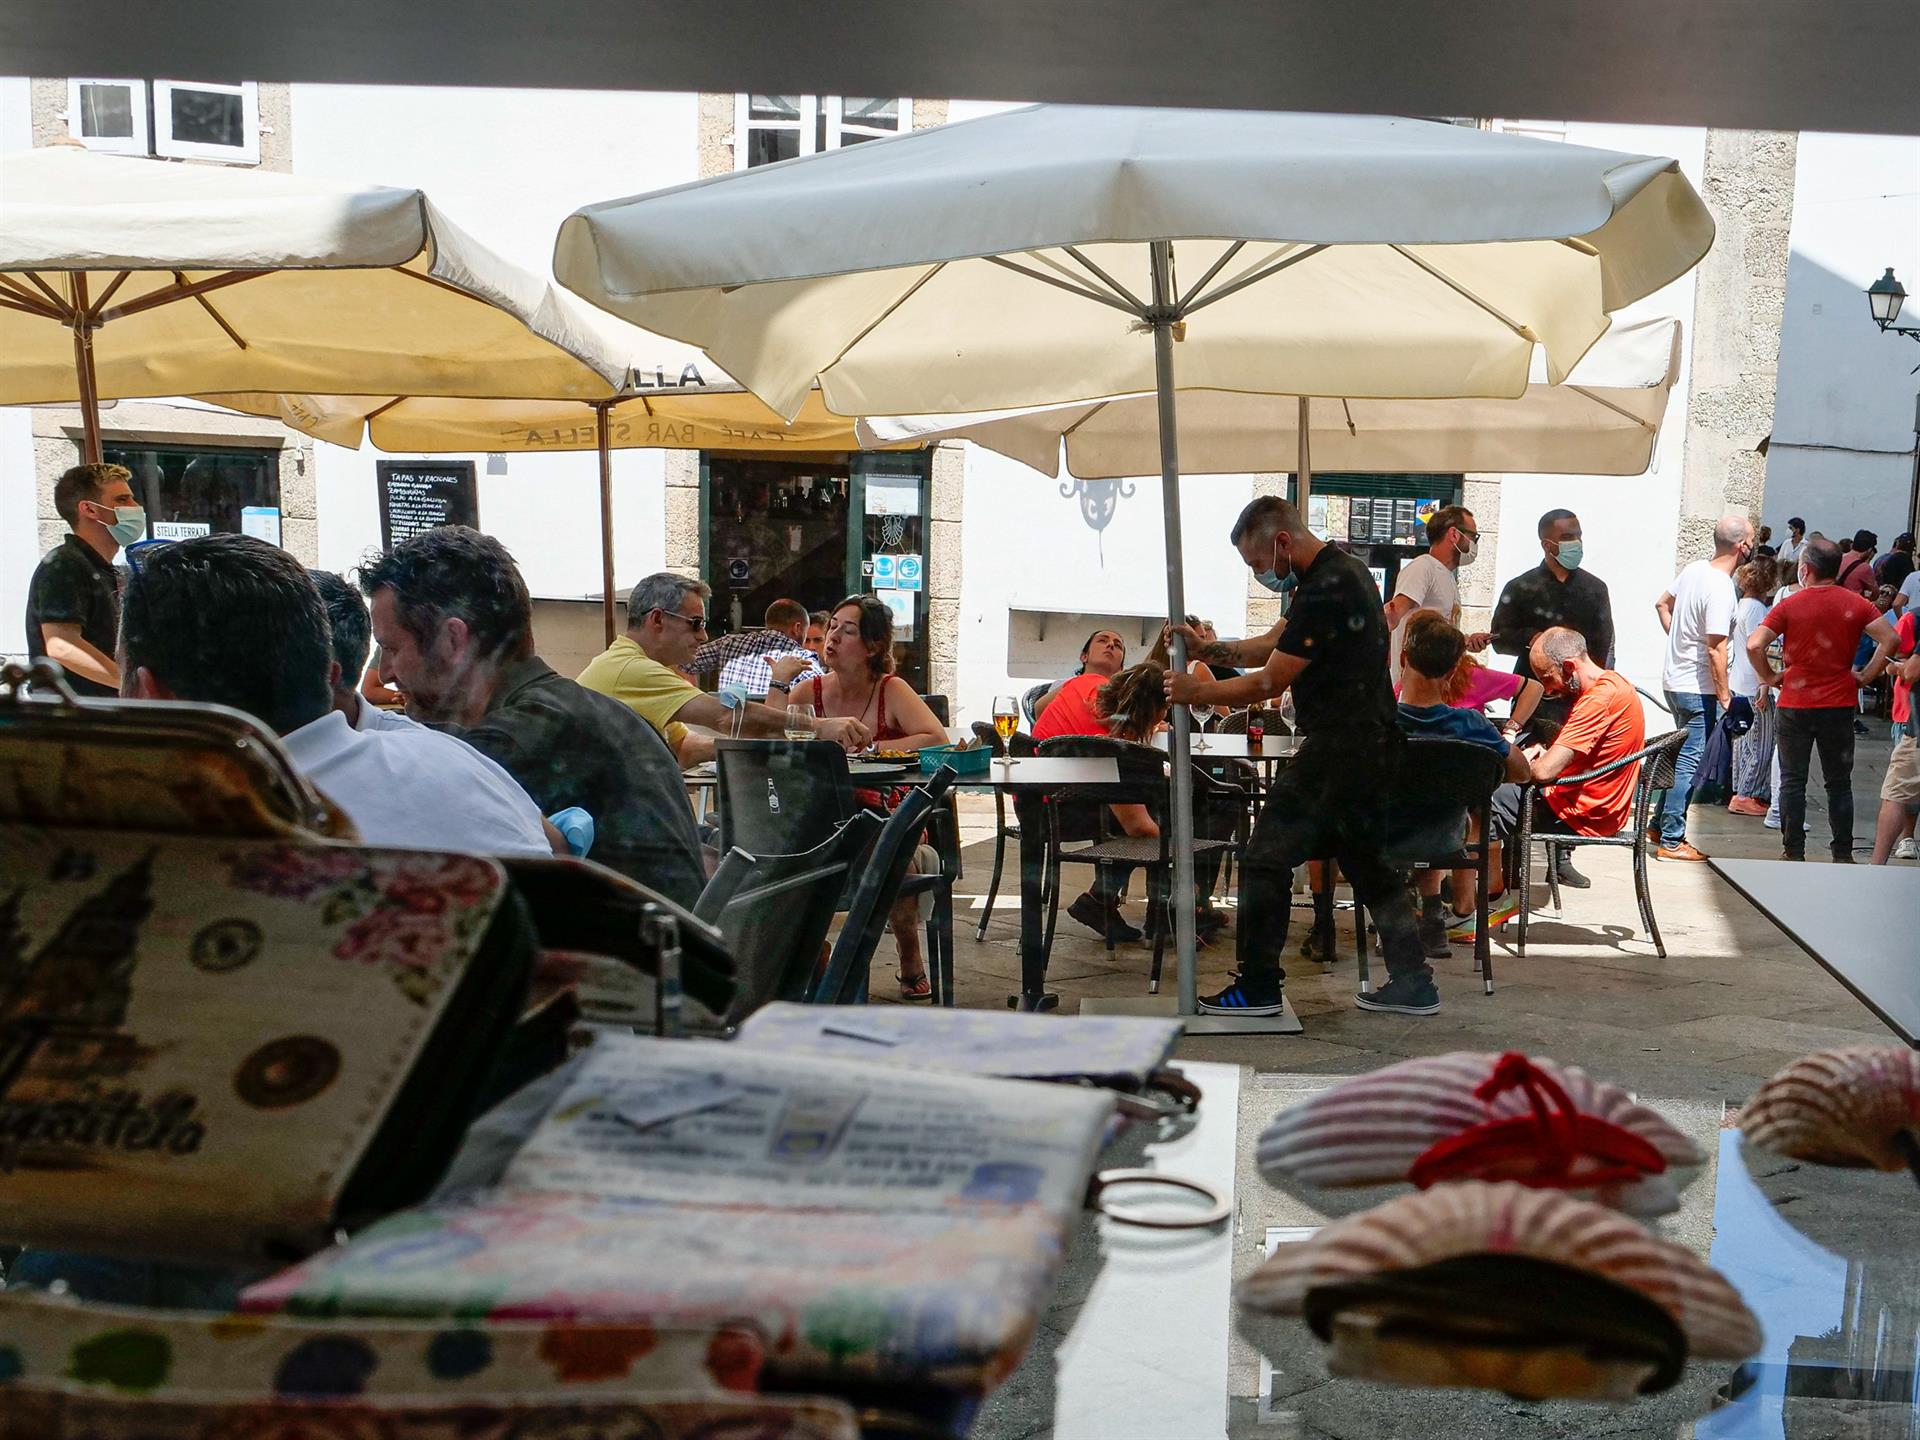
<point>1472,1217</point>
<point>1369,1130</point>
<point>1839,1107</point>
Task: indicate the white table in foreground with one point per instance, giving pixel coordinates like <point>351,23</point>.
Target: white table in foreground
<point>1147,1353</point>
<point>1857,921</point>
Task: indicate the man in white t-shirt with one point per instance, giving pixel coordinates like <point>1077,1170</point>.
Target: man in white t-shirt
<point>231,620</point>
<point>1697,614</point>
<point>1427,581</point>
<point>1909,597</point>
<point>1789,556</point>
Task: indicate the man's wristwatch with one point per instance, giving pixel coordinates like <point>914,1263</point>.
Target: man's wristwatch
<point>785,687</point>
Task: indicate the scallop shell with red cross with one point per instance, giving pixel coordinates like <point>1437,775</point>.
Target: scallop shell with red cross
<point>1477,1115</point>
<point>1849,1106</point>
<point>1473,1217</point>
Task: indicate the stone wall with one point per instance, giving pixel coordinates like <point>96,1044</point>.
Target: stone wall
<point>56,446</point>
<point>1738,305</point>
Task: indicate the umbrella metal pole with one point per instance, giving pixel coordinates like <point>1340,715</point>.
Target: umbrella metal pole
<point>1180,799</point>
<point>604,443</point>
<point>89,388</point>
<point>1303,471</point>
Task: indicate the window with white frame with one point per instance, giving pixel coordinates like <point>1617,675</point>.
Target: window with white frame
<point>109,115</point>
<point>768,128</point>
<point>178,119</point>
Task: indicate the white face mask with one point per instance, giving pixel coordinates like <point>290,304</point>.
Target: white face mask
<point>1469,546</point>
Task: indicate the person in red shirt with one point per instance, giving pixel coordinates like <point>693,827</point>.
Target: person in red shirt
<point>1900,791</point>
<point>1067,709</point>
<point>1856,567</point>
<point>1822,623</point>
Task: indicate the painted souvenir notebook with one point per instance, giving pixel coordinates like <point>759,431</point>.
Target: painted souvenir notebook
<point>222,1048</point>
<point>876,1225</point>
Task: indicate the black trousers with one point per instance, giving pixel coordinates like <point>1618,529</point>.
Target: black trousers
<point>1797,733</point>
<point>1332,799</point>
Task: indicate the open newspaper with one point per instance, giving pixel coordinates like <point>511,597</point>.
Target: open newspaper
<point>877,1225</point>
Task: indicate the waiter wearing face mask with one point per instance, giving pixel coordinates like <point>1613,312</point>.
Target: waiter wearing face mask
<point>73,601</point>
<point>1558,592</point>
<point>1331,652</point>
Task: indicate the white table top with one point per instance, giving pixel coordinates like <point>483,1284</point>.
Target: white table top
<point>1857,921</point>
<point>1174,1286</point>
<point>1235,747</point>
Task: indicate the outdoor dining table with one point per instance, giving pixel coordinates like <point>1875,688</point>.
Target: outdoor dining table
<point>1856,921</point>
<point>1273,751</point>
<point>1015,776</point>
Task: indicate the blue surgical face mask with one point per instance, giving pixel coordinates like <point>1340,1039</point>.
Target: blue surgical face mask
<point>1570,554</point>
<point>1278,584</point>
<point>129,524</point>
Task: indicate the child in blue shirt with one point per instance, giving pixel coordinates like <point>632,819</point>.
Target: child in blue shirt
<point>1430,650</point>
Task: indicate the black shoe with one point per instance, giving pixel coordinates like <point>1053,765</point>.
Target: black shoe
<point>1789,855</point>
<point>1571,878</point>
<point>1260,995</point>
<point>1433,935</point>
<point>1317,948</point>
<point>1404,996</point>
<point>1105,921</point>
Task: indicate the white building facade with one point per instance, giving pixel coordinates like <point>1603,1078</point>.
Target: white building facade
<point>1015,568</point>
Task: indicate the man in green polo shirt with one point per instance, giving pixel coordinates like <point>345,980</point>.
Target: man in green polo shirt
<point>666,621</point>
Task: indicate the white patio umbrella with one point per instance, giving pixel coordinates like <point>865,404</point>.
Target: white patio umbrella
<point>275,294</point>
<point>1010,261</point>
<point>1602,420</point>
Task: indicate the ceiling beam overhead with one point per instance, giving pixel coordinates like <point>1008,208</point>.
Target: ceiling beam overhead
<point>1762,64</point>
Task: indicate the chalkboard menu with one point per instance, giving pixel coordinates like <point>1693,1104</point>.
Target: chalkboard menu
<point>417,495</point>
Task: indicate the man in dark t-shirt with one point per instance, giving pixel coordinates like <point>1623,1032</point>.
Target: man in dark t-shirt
<point>1331,651</point>
<point>73,600</point>
<point>455,628</point>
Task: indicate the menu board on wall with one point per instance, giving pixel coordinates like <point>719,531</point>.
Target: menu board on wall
<point>417,495</point>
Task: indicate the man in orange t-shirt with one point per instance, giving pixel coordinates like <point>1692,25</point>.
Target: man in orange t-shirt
<point>1605,724</point>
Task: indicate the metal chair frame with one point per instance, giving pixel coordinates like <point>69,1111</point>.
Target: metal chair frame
<point>1657,760</point>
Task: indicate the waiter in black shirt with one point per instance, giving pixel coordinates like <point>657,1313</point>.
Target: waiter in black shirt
<point>73,601</point>
<point>1556,593</point>
<point>1332,651</point>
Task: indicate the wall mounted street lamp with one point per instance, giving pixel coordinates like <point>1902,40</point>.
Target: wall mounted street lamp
<point>1885,297</point>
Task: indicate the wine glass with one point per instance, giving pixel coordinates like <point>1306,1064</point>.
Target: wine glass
<point>1006,719</point>
<point>799,722</point>
<point>1287,711</point>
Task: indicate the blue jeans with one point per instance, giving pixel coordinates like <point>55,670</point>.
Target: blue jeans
<point>1697,715</point>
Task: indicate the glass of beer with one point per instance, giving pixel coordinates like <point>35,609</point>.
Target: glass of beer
<point>1006,719</point>
<point>799,722</point>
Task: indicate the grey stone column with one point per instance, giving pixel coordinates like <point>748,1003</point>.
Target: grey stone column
<point>1739,299</point>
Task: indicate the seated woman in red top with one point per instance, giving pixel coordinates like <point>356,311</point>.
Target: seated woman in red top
<point>1067,709</point>
<point>1131,707</point>
<point>860,682</point>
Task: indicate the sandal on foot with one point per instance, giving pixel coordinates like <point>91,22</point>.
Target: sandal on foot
<point>917,987</point>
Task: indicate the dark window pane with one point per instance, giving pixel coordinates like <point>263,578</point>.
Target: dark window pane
<point>764,146</point>
<point>773,107</point>
<point>207,117</point>
<point>855,137</point>
<point>200,486</point>
<point>106,112</point>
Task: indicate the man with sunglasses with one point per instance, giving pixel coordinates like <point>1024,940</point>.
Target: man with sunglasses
<point>666,624</point>
<point>1427,582</point>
